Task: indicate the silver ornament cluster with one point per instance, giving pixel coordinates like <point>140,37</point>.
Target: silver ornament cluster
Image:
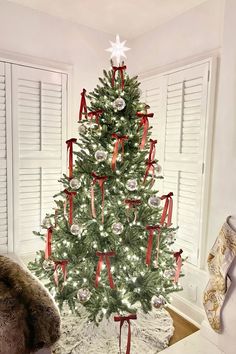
<point>132,185</point>
<point>154,201</point>
<point>83,294</point>
<point>158,301</point>
<point>75,183</point>
<point>48,265</point>
<point>75,229</point>
<point>119,104</point>
<point>100,155</point>
<point>117,228</point>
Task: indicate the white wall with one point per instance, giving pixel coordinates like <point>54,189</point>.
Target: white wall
<point>36,34</point>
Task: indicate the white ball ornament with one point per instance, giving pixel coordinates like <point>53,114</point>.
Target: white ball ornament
<point>154,201</point>
<point>158,301</point>
<point>75,229</point>
<point>101,155</point>
<point>132,185</point>
<point>83,294</point>
<point>48,265</point>
<point>75,183</point>
<point>119,104</point>
<point>117,228</point>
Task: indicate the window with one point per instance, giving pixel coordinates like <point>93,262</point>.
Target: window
<point>180,102</point>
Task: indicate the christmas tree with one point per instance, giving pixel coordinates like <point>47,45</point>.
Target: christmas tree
<point>109,243</point>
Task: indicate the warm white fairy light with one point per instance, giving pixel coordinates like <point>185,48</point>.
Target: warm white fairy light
<point>118,49</point>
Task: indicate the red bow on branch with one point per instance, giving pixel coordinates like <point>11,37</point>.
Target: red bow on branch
<point>48,249</point>
<point>83,105</point>
<point>152,151</point>
<point>151,230</point>
<point>101,180</point>
<point>107,256</point>
<point>70,196</point>
<point>122,319</point>
<point>70,143</point>
<point>120,70</point>
<point>150,167</point>
<point>145,123</point>
<point>63,264</point>
<point>167,210</point>
<point>178,260</point>
<point>96,114</point>
<point>119,141</point>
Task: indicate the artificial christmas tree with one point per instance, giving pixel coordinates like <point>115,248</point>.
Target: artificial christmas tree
<point>100,243</point>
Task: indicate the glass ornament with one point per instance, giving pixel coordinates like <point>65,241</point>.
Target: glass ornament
<point>158,168</point>
<point>154,201</point>
<point>119,104</point>
<point>48,265</point>
<point>158,301</point>
<point>117,228</point>
<point>83,294</point>
<point>101,155</point>
<point>169,273</point>
<point>75,183</point>
<point>82,129</point>
<point>47,222</point>
<point>75,229</point>
<point>132,185</point>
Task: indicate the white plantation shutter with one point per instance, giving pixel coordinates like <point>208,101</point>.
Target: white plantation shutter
<point>39,117</point>
<point>181,134</point>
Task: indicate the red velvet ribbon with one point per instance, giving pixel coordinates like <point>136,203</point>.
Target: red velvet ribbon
<point>83,106</point>
<point>152,151</point>
<point>70,143</point>
<point>178,259</point>
<point>101,180</point>
<point>151,230</point>
<point>150,167</point>
<point>119,141</point>
<point>70,196</point>
<point>145,123</point>
<point>167,210</point>
<point>122,319</point>
<point>97,114</point>
<point>106,256</point>
<point>63,264</point>
<point>120,70</point>
<point>48,249</point>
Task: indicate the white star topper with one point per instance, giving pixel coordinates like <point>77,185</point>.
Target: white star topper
<point>118,49</point>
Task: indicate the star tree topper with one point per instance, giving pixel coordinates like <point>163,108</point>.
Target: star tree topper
<point>118,49</point>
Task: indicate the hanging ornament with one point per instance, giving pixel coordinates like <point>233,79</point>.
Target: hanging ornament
<point>117,228</point>
<point>75,229</point>
<point>169,273</point>
<point>75,183</point>
<point>158,168</point>
<point>47,222</point>
<point>82,129</point>
<point>119,104</point>
<point>158,301</point>
<point>132,185</point>
<point>154,201</point>
<point>100,155</point>
<point>48,265</point>
<point>83,295</point>
<point>171,236</point>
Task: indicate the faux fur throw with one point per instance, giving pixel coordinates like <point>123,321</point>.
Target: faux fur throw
<point>29,319</point>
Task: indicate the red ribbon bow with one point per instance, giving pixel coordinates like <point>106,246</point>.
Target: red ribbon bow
<point>122,319</point>
<point>119,141</point>
<point>152,151</point>
<point>107,256</point>
<point>150,167</point>
<point>145,123</point>
<point>133,202</point>
<point>96,114</point>
<point>178,260</point>
<point>101,180</point>
<point>70,143</point>
<point>120,70</point>
<point>70,196</point>
<point>63,264</point>
<point>167,210</point>
<point>48,249</point>
<point>83,105</point>
<point>151,230</point>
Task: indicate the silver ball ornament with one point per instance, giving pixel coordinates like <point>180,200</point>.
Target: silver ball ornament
<point>82,129</point>
<point>75,183</point>
<point>117,228</point>
<point>100,155</point>
<point>154,201</point>
<point>119,104</point>
<point>83,294</point>
<point>132,185</point>
<point>75,229</point>
<point>158,168</point>
<point>48,265</point>
<point>47,222</point>
<point>169,273</point>
<point>158,301</point>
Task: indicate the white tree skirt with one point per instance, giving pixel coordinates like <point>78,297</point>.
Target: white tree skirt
<point>150,334</point>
